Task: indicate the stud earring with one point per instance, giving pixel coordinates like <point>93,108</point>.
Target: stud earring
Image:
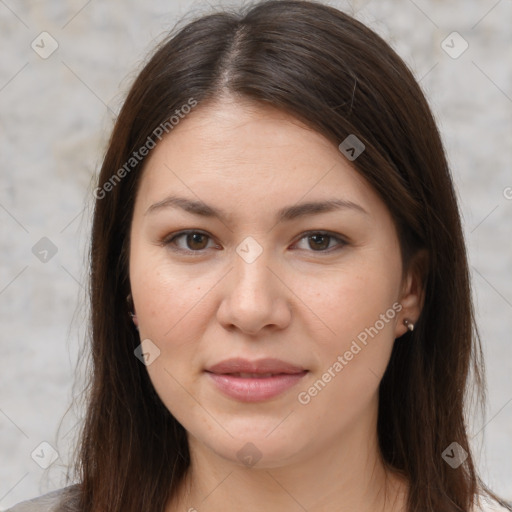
<point>409,324</point>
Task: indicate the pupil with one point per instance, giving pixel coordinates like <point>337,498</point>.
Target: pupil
<point>193,239</point>
<point>324,237</point>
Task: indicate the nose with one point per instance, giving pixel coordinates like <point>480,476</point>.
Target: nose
<point>255,298</point>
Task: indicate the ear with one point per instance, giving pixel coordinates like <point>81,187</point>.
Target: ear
<point>131,307</point>
<point>412,295</point>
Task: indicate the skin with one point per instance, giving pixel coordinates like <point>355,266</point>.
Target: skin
<point>303,301</point>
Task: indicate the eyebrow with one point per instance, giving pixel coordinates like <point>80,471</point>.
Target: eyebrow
<point>287,213</point>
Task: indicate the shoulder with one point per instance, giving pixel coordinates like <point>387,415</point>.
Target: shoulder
<point>61,500</point>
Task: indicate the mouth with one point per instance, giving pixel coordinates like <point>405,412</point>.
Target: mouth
<point>258,367</point>
<point>253,375</point>
<point>254,381</point>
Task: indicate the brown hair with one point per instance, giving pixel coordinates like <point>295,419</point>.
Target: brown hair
<point>336,75</point>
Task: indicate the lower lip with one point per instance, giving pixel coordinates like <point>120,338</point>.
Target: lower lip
<point>255,389</point>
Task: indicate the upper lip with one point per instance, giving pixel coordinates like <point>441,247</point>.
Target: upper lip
<point>267,365</point>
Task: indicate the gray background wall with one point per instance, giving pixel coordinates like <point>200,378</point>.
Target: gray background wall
<point>56,113</point>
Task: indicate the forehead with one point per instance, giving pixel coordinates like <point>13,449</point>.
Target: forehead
<point>245,154</point>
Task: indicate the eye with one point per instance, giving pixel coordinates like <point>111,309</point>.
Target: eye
<point>321,240</point>
<point>197,241</point>
<point>194,241</point>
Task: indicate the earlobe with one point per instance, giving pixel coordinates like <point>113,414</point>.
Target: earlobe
<point>132,313</point>
<point>135,320</point>
<point>413,293</point>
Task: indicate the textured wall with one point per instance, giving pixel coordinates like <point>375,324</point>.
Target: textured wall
<point>56,113</point>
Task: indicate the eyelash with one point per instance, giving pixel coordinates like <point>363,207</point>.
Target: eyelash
<point>168,241</point>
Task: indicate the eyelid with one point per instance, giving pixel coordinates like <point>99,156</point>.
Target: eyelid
<point>335,236</point>
<point>167,240</point>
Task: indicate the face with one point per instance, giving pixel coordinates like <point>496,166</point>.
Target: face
<point>227,262</point>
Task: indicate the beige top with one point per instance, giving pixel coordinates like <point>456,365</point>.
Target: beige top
<point>66,500</point>
<point>61,500</point>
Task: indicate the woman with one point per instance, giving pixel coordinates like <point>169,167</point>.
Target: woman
<point>312,352</point>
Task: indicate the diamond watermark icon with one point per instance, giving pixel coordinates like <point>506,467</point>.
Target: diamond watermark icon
<point>352,147</point>
<point>44,250</point>
<point>454,455</point>
<point>249,250</point>
<point>454,45</point>
<point>249,454</point>
<point>44,45</point>
<point>147,352</point>
<point>44,455</point>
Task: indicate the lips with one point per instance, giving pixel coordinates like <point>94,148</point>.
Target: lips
<point>252,375</point>
<point>254,381</point>
<point>257,368</point>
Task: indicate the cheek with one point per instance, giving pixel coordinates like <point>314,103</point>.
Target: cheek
<point>172,313</point>
<point>353,298</point>
<point>167,296</point>
<point>360,306</point>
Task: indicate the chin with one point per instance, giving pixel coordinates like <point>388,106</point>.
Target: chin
<point>254,447</point>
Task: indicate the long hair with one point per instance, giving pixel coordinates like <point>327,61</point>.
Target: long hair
<point>331,72</point>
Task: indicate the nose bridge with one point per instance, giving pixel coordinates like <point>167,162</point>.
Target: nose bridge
<point>253,299</point>
<point>251,274</point>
